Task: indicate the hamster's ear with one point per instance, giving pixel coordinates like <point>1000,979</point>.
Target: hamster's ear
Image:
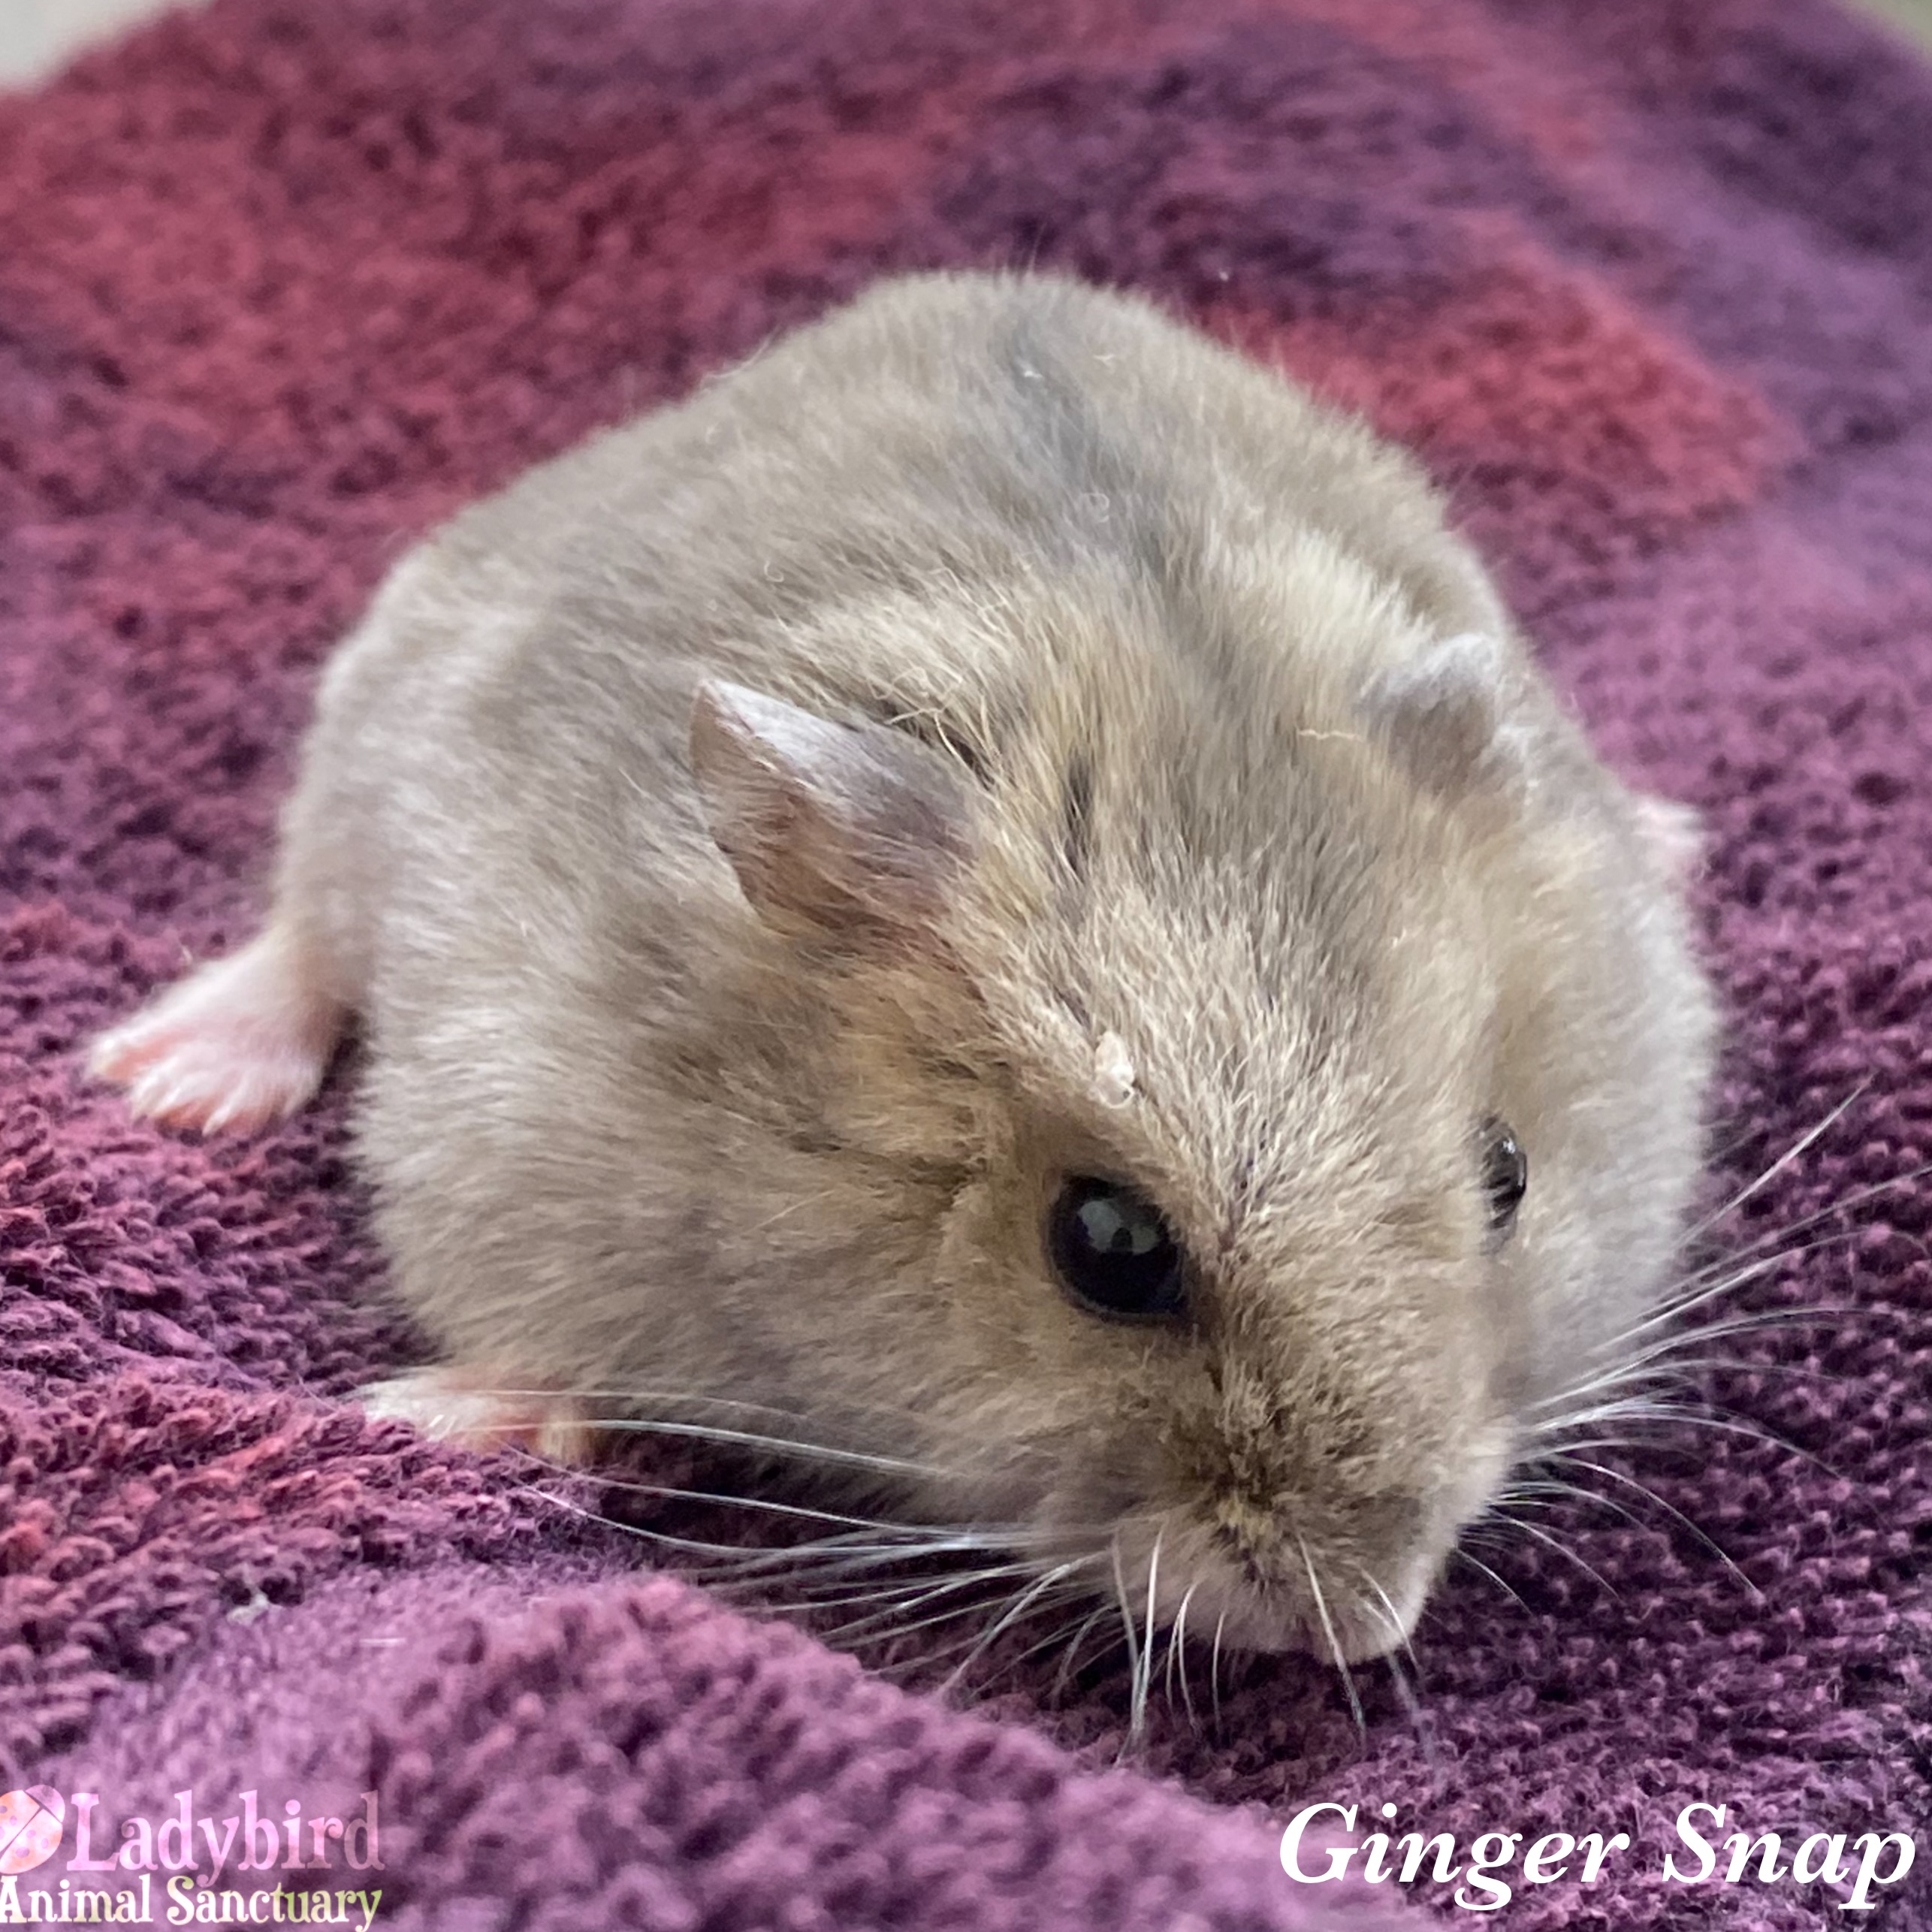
<point>1444,715</point>
<point>1673,833</point>
<point>853,830</point>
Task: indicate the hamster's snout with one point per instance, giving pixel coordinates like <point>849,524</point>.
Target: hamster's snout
<point>1344,1581</point>
<point>1322,1598</point>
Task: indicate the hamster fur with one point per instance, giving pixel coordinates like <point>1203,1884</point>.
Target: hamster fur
<point>993,737</point>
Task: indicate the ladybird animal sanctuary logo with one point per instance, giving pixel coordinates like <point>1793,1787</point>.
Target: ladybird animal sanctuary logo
<point>251,1867</point>
<point>31,1821</point>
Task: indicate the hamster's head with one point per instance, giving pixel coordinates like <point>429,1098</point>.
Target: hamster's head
<point>1269,1110</point>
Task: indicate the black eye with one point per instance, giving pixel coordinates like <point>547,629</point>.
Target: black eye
<point>1505,1174</point>
<point>1113,1252</point>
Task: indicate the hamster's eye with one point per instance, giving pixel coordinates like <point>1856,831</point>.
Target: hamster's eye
<point>1505,1174</point>
<point>1113,1252</point>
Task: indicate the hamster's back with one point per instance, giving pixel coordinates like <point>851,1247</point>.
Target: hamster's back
<point>917,509</point>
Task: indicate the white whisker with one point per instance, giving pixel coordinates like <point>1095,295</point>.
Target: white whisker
<point>1132,1629</point>
<point>1061,1676</point>
<point>1024,1601</point>
<point>1328,1631</point>
<point>1395,1622</point>
<point>741,1438</point>
<point>1213,1670</point>
<point>887,1620</point>
<point>1461,1553</point>
<point>1144,1674</point>
<point>1567,1553</point>
<point>1671,1510</point>
<point>1807,1140</point>
<point>1177,1646</point>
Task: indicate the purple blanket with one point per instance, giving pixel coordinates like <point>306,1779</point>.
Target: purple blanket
<point>1648,284</point>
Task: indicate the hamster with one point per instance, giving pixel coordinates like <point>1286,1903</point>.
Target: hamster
<point>995,884</point>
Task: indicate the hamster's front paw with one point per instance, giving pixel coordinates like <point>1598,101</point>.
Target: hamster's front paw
<point>462,1406</point>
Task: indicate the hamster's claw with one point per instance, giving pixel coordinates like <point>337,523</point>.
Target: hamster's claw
<point>458,1405</point>
<point>238,1046</point>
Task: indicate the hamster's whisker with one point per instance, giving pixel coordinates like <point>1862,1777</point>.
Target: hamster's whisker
<point>813,1576</point>
<point>1070,1660</point>
<point>919,1588</point>
<point>807,1600</point>
<point>1214,1672</point>
<point>833,1593</point>
<point>1462,1554</point>
<point>734,1437</point>
<point>1563,1549</point>
<point>1745,1321</point>
<point>1658,1414</point>
<point>1388,1608</point>
<point>800,1512</point>
<point>834,1557</point>
<point>1328,1631</point>
<point>1177,1639</point>
<point>1070,1599</point>
<point>885,1620</point>
<point>830,1572</point>
<point>1648,1402</point>
<point>810,1565</point>
<point>1143,1680</point>
<point>1551,1493</point>
<point>691,1545</point>
<point>741,1438</point>
<point>1694,1290</point>
<point>1806,1140</point>
<point>629,1391</point>
<point>674,1399</point>
<point>1649,1372</point>
<point>1672,1511</point>
<point>1406,1695</point>
<point>1167,1666</point>
<point>1780,1243</point>
<point>1610,1368</point>
<point>806,1569</point>
<point>1721,1155</point>
<point>791,1208</point>
<point>1386,1612</point>
<point>1041,1598</point>
<point>1416,1712</point>
<point>1785,1230</point>
<point>1128,1624</point>
<point>1681,1369</point>
<point>1659,1369</point>
<point>1024,1600</point>
<point>884,1630</point>
<point>726,1567</point>
<point>891,1626</point>
<point>937,1654</point>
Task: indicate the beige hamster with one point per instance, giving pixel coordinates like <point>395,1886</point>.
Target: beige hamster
<point>995,884</point>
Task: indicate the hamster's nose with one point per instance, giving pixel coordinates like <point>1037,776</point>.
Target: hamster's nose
<point>1298,1591</point>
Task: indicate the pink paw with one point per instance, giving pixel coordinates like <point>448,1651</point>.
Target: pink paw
<point>240,1044</point>
<point>458,1405</point>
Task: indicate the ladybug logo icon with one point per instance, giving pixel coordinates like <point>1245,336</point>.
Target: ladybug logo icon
<point>30,1822</point>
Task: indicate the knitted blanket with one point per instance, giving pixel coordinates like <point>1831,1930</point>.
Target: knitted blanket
<point>1647,284</point>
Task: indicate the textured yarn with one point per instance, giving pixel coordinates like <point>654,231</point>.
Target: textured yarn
<point>1649,286</point>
